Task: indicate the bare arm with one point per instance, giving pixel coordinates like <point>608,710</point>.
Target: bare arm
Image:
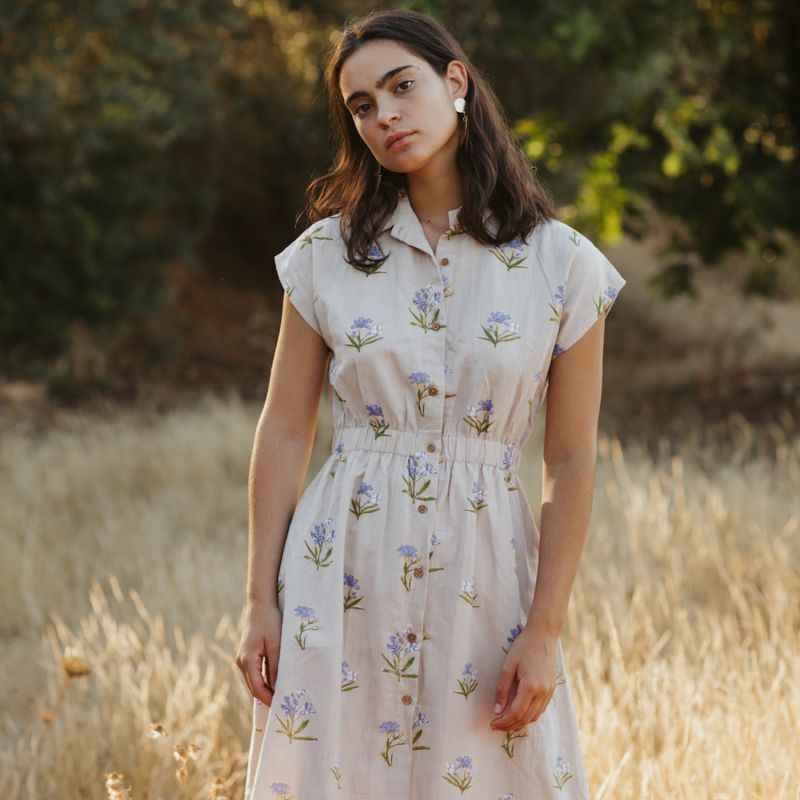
<point>570,451</point>
<point>281,451</point>
<point>282,448</point>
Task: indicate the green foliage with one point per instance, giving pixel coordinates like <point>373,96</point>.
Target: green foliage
<point>104,110</point>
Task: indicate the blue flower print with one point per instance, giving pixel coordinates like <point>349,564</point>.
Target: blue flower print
<point>349,678</point>
<point>308,622</point>
<point>460,773</point>
<point>338,450</point>
<point>282,791</point>
<point>336,769</point>
<point>322,534</point>
<point>512,635</point>
<point>351,596</point>
<point>425,388</point>
<point>506,797</point>
<point>411,564</point>
<point>508,478</point>
<point>448,370</point>
<point>376,421</point>
<point>468,682</point>
<point>416,726</point>
<point>447,289</point>
<point>480,417</point>
<point>394,737</point>
<point>311,235</point>
<point>557,351</point>
<point>477,499</point>
<point>514,547</point>
<point>499,328</point>
<point>435,542</point>
<point>603,301</point>
<point>400,647</point>
<point>296,706</point>
<point>510,736</point>
<point>561,774</point>
<point>557,303</point>
<point>427,302</point>
<point>511,254</point>
<point>468,592</point>
<point>376,259</point>
<point>418,468</point>
<point>363,331</point>
<point>365,500</point>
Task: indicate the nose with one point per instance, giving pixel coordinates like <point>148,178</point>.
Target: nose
<point>386,114</point>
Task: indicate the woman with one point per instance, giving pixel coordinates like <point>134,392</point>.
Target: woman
<point>402,611</point>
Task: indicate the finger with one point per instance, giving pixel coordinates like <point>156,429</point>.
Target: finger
<point>503,690</point>
<point>256,682</point>
<point>515,716</point>
<point>272,666</point>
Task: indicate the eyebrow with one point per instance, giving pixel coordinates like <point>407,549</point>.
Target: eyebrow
<point>379,85</point>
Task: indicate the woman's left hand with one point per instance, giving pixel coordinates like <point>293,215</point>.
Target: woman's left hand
<point>531,660</point>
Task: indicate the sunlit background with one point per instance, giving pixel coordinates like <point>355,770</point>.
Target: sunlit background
<point>153,159</point>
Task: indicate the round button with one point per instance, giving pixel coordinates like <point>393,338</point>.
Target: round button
<point>407,699</point>
<point>433,389</point>
<point>411,636</point>
<point>445,261</point>
<point>435,326</point>
<point>419,572</point>
<point>431,447</point>
<point>422,508</point>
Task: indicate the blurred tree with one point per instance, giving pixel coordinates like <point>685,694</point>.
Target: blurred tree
<point>105,110</point>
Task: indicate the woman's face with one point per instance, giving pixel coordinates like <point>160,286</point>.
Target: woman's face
<point>412,99</point>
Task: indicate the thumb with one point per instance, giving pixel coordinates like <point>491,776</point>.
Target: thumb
<point>503,689</point>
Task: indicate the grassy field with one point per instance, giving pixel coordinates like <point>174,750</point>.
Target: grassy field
<point>122,576</point>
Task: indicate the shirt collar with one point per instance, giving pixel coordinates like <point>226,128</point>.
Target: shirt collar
<point>404,224</point>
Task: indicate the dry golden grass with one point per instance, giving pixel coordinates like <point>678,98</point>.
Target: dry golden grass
<point>122,577</point>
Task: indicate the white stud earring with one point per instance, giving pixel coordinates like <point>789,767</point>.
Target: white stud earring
<point>459,103</point>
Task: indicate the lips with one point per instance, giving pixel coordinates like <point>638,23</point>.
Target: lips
<point>398,138</point>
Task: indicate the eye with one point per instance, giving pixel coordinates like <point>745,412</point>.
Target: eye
<point>357,110</point>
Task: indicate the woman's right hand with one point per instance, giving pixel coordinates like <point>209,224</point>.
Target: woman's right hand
<point>260,641</point>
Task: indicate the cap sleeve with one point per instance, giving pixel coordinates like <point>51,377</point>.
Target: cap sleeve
<point>295,268</point>
<point>590,288</point>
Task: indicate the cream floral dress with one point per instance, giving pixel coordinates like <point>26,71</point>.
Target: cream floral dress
<point>410,561</point>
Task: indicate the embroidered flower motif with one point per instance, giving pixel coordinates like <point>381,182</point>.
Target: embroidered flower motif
<point>477,499</point>
<point>480,417</point>
<point>411,564</point>
<point>349,678</point>
<point>500,328</point>
<point>428,389</point>
<point>322,534</point>
<point>561,774</point>
<point>400,648</point>
<point>365,500</point>
<point>512,635</point>
<point>296,706</point>
<point>308,623</point>
<point>351,596</point>
<point>460,773</point>
<point>508,740</point>
<point>511,254</point>
<point>427,302</point>
<point>363,331</point>
<point>468,592</point>
<point>376,421</point>
<point>419,720</point>
<point>557,303</point>
<point>468,682</point>
<point>418,468</point>
<point>394,738</point>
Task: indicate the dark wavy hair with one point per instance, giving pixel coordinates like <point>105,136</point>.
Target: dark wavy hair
<point>496,173</point>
